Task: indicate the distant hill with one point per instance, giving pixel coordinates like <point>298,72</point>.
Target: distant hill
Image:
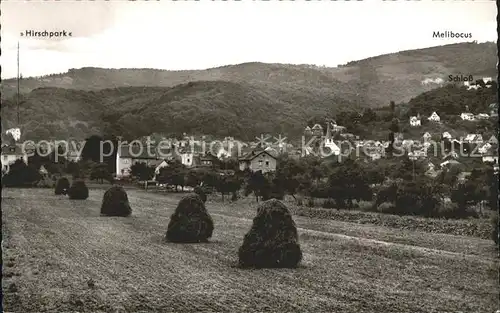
<point>204,107</point>
<point>240,100</point>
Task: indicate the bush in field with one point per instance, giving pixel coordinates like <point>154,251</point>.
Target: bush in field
<point>200,192</point>
<point>115,202</point>
<point>494,232</point>
<point>78,190</point>
<point>62,186</point>
<point>272,241</point>
<point>329,204</point>
<point>45,182</point>
<point>190,222</point>
<point>21,175</point>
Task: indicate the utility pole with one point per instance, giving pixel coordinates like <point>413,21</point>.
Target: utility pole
<point>18,76</point>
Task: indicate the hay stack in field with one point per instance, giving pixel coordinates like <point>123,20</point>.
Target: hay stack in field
<point>62,186</point>
<point>78,190</point>
<point>200,192</point>
<point>190,222</point>
<point>272,241</point>
<point>115,202</point>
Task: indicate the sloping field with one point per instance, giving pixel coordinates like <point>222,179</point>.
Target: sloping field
<point>62,256</point>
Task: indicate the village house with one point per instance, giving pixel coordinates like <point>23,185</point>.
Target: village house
<point>490,158</point>
<point>482,116</point>
<point>337,128</point>
<point>467,116</point>
<point>258,160</point>
<point>473,139</point>
<point>427,136</point>
<point>415,121</point>
<point>493,140</point>
<point>446,135</point>
<point>317,130</point>
<point>209,160</point>
<point>434,117</point>
<point>127,155</point>
<point>487,80</point>
<point>483,149</point>
<point>12,153</point>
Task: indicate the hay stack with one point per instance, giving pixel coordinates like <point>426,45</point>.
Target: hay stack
<point>190,222</point>
<point>78,190</point>
<point>272,241</point>
<point>115,202</point>
<point>62,186</point>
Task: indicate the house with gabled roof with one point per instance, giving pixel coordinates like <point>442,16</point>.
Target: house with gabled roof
<point>427,136</point>
<point>258,160</point>
<point>415,121</point>
<point>11,153</point>
<point>127,155</point>
<point>466,116</point>
<point>446,135</point>
<point>493,140</point>
<point>473,138</point>
<point>484,148</point>
<point>317,130</point>
<point>434,117</point>
<point>482,116</point>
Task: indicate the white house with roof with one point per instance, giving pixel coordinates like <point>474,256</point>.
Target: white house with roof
<point>127,155</point>
<point>415,121</point>
<point>434,117</point>
<point>473,87</point>
<point>446,135</point>
<point>487,80</point>
<point>12,153</point>
<point>490,158</point>
<point>483,149</point>
<point>427,136</point>
<point>474,138</point>
<point>482,116</point>
<point>467,116</point>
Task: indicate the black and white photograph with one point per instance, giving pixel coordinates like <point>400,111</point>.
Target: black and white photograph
<point>250,156</point>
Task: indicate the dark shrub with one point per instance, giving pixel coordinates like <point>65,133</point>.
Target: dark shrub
<point>78,190</point>
<point>115,202</point>
<point>329,204</point>
<point>494,231</point>
<point>190,222</point>
<point>62,186</point>
<point>21,175</point>
<point>200,192</point>
<point>272,241</point>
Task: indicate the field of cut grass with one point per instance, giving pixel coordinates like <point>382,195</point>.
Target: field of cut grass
<point>60,255</point>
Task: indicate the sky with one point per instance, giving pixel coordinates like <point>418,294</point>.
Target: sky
<point>181,35</point>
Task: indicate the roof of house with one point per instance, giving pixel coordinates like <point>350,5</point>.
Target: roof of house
<point>317,126</point>
<point>472,137</point>
<point>135,152</point>
<point>255,153</point>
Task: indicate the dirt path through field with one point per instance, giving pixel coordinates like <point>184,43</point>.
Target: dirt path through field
<point>63,256</point>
